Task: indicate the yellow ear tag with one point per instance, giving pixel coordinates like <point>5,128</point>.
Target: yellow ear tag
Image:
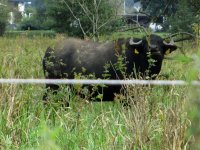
<point>167,51</point>
<point>136,51</point>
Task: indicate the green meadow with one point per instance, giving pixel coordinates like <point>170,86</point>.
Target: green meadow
<point>160,117</point>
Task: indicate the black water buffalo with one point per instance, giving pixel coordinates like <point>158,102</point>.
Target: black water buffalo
<point>126,56</point>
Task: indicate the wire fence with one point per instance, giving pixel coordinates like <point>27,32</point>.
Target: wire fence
<point>99,81</point>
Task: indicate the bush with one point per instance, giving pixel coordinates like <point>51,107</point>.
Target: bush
<point>183,19</point>
<point>94,22</point>
<point>2,27</point>
<point>3,17</point>
<point>30,34</point>
<point>28,24</point>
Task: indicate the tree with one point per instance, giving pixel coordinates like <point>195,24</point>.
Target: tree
<point>183,18</point>
<point>38,20</point>
<point>179,14</point>
<point>195,8</point>
<point>194,5</point>
<point>158,8</point>
<point>3,16</point>
<point>82,17</point>
<point>41,15</point>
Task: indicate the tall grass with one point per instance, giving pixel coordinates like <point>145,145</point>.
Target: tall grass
<point>160,117</point>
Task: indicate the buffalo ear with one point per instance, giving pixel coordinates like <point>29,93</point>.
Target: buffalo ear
<point>135,45</point>
<point>169,47</point>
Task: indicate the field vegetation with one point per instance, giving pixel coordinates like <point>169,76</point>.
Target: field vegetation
<point>160,117</point>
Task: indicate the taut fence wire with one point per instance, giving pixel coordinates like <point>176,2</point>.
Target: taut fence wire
<point>99,81</point>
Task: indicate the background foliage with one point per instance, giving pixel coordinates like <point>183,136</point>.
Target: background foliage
<point>179,15</point>
<point>63,16</point>
<point>3,16</point>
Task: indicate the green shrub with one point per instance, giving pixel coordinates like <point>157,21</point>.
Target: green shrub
<point>30,34</point>
<point>2,27</point>
<point>183,19</point>
<point>3,16</point>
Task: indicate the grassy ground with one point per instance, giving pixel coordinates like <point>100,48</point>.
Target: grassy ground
<point>161,117</point>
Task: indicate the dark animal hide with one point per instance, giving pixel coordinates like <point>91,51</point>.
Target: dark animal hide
<point>111,60</point>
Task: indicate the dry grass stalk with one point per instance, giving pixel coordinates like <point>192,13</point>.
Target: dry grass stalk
<point>145,121</point>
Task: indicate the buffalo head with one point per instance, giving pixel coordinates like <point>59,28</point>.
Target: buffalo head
<point>148,54</point>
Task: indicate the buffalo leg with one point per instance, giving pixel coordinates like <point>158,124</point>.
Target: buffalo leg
<point>109,92</point>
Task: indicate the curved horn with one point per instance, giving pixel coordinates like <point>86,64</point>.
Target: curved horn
<point>179,33</point>
<point>131,42</point>
<point>190,36</point>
